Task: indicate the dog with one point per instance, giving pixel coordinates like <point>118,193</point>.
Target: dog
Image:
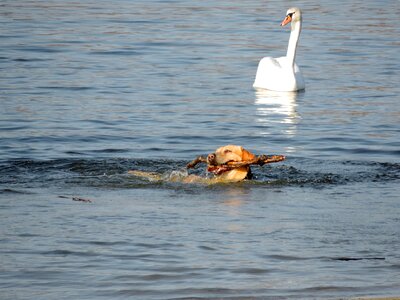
<point>218,163</point>
<point>230,163</point>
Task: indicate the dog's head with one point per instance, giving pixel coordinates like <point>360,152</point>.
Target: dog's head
<point>217,163</point>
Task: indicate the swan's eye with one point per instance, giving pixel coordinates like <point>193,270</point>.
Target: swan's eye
<point>290,14</point>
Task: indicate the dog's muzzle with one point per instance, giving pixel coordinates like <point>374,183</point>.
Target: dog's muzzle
<point>213,167</point>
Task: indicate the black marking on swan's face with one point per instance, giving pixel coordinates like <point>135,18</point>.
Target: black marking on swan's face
<point>294,13</point>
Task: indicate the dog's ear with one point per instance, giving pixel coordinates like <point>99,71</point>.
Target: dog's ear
<point>247,155</point>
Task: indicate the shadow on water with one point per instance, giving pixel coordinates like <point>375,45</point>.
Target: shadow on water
<point>113,173</point>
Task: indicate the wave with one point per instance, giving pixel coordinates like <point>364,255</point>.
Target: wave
<point>113,173</point>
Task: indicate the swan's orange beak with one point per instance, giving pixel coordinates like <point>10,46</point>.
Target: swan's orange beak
<point>287,19</point>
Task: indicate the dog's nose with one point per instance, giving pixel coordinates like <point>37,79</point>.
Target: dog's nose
<point>211,159</point>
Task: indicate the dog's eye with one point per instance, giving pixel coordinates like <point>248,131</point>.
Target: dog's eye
<point>227,151</point>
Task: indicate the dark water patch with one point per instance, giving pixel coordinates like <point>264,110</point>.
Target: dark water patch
<point>133,21</point>
<point>100,243</point>
<point>326,288</point>
<point>185,293</point>
<point>40,49</point>
<point>112,173</point>
<point>289,175</point>
<point>251,271</point>
<point>75,153</point>
<point>148,257</point>
<point>280,257</point>
<point>99,167</point>
<point>207,248</point>
<point>14,128</point>
<point>28,173</point>
<point>389,171</point>
<point>12,36</point>
<point>39,275</point>
<point>158,245</point>
<point>117,52</point>
<point>28,235</point>
<point>345,258</point>
<point>154,277</point>
<point>66,88</point>
<point>14,191</point>
<point>64,253</point>
<point>111,150</point>
<point>394,266</point>
<point>32,59</point>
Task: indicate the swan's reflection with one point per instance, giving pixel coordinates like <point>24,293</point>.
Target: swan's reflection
<point>276,112</point>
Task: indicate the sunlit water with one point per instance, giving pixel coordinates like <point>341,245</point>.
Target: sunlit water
<point>91,90</point>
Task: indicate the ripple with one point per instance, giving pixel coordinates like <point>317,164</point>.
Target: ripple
<point>113,172</point>
<point>251,271</point>
<point>63,253</point>
<point>117,53</point>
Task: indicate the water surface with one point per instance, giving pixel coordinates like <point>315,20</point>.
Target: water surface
<point>91,90</point>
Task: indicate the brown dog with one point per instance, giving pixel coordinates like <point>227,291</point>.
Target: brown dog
<point>229,163</point>
<point>218,163</point>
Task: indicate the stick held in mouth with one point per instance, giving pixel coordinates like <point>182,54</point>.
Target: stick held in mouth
<point>232,163</point>
<point>259,160</point>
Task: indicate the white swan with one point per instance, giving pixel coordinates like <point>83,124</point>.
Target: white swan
<point>282,74</point>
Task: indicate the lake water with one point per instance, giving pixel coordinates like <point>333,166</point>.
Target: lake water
<point>90,90</point>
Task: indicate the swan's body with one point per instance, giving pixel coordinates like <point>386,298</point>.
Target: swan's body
<point>282,74</point>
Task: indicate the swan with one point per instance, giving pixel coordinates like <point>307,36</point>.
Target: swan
<point>282,74</point>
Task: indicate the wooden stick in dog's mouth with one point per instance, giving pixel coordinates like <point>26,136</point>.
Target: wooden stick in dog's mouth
<point>218,170</point>
<point>230,165</point>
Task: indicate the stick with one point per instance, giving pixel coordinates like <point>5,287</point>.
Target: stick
<point>81,199</point>
<point>259,160</point>
<point>194,162</point>
<point>76,199</point>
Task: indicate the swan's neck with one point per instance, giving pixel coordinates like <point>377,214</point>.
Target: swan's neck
<point>293,40</point>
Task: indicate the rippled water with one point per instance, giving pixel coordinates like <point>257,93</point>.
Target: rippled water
<point>91,90</point>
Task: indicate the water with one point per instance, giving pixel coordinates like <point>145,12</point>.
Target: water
<point>90,90</point>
